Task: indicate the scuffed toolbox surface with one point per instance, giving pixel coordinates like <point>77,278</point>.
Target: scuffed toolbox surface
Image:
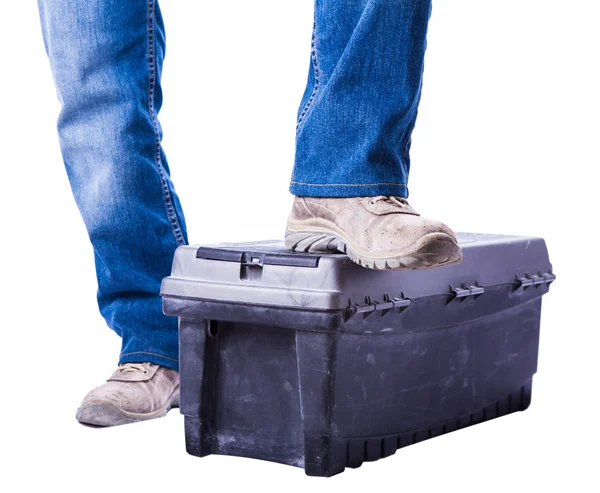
<point>313,361</point>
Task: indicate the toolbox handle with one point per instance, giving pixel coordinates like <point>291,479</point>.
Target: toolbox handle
<point>289,259</point>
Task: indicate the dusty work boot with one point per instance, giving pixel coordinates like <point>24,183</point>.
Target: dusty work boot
<point>135,392</point>
<point>376,232</point>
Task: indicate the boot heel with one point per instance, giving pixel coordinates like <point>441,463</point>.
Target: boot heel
<point>175,399</point>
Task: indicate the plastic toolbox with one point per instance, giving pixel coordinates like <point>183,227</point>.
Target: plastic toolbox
<point>313,361</point>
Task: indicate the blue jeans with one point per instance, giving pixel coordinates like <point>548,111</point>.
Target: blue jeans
<point>353,135</point>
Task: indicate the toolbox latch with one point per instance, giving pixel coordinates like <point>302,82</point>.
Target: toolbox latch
<point>254,259</point>
<point>535,280</point>
<point>382,307</point>
<point>466,291</point>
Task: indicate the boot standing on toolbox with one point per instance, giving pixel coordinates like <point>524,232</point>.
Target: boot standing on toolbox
<point>350,174</point>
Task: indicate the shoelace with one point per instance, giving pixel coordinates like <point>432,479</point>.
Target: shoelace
<point>131,367</point>
<point>390,199</point>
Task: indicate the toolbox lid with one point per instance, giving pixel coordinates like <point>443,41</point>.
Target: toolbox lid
<point>266,273</point>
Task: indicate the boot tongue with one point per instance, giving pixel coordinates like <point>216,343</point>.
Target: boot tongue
<point>134,372</point>
<point>383,205</point>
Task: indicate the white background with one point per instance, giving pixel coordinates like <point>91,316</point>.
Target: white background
<point>506,142</point>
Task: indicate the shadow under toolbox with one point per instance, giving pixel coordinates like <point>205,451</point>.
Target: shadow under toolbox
<point>313,361</point>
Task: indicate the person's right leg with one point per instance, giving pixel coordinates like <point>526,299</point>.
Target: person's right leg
<point>106,58</point>
<point>354,134</point>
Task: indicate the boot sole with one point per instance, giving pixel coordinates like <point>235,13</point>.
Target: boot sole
<point>429,251</point>
<point>101,413</point>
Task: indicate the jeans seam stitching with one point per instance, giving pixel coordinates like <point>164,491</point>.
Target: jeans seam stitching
<point>151,59</point>
<point>315,64</point>
<point>348,184</point>
<point>148,352</point>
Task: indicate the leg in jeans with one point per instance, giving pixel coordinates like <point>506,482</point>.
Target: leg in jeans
<point>106,58</point>
<point>360,105</point>
<point>353,138</point>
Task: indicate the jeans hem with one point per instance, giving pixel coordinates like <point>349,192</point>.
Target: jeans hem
<point>149,357</point>
<point>302,189</point>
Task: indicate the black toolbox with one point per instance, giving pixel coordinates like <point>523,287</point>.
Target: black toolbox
<point>313,361</point>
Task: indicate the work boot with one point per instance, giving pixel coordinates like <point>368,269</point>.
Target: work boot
<point>375,232</point>
<point>135,392</point>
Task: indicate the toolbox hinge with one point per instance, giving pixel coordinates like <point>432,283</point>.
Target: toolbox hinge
<point>536,280</point>
<point>382,307</point>
<point>465,291</point>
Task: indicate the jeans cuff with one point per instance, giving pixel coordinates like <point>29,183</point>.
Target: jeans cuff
<point>302,189</point>
<point>149,357</point>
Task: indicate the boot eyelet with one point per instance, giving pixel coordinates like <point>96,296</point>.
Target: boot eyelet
<point>145,372</point>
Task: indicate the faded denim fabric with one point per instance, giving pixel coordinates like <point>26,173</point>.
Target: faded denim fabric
<point>360,105</point>
<point>353,135</point>
<point>106,58</point>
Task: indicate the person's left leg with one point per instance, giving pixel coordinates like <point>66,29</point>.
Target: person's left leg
<point>354,134</point>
